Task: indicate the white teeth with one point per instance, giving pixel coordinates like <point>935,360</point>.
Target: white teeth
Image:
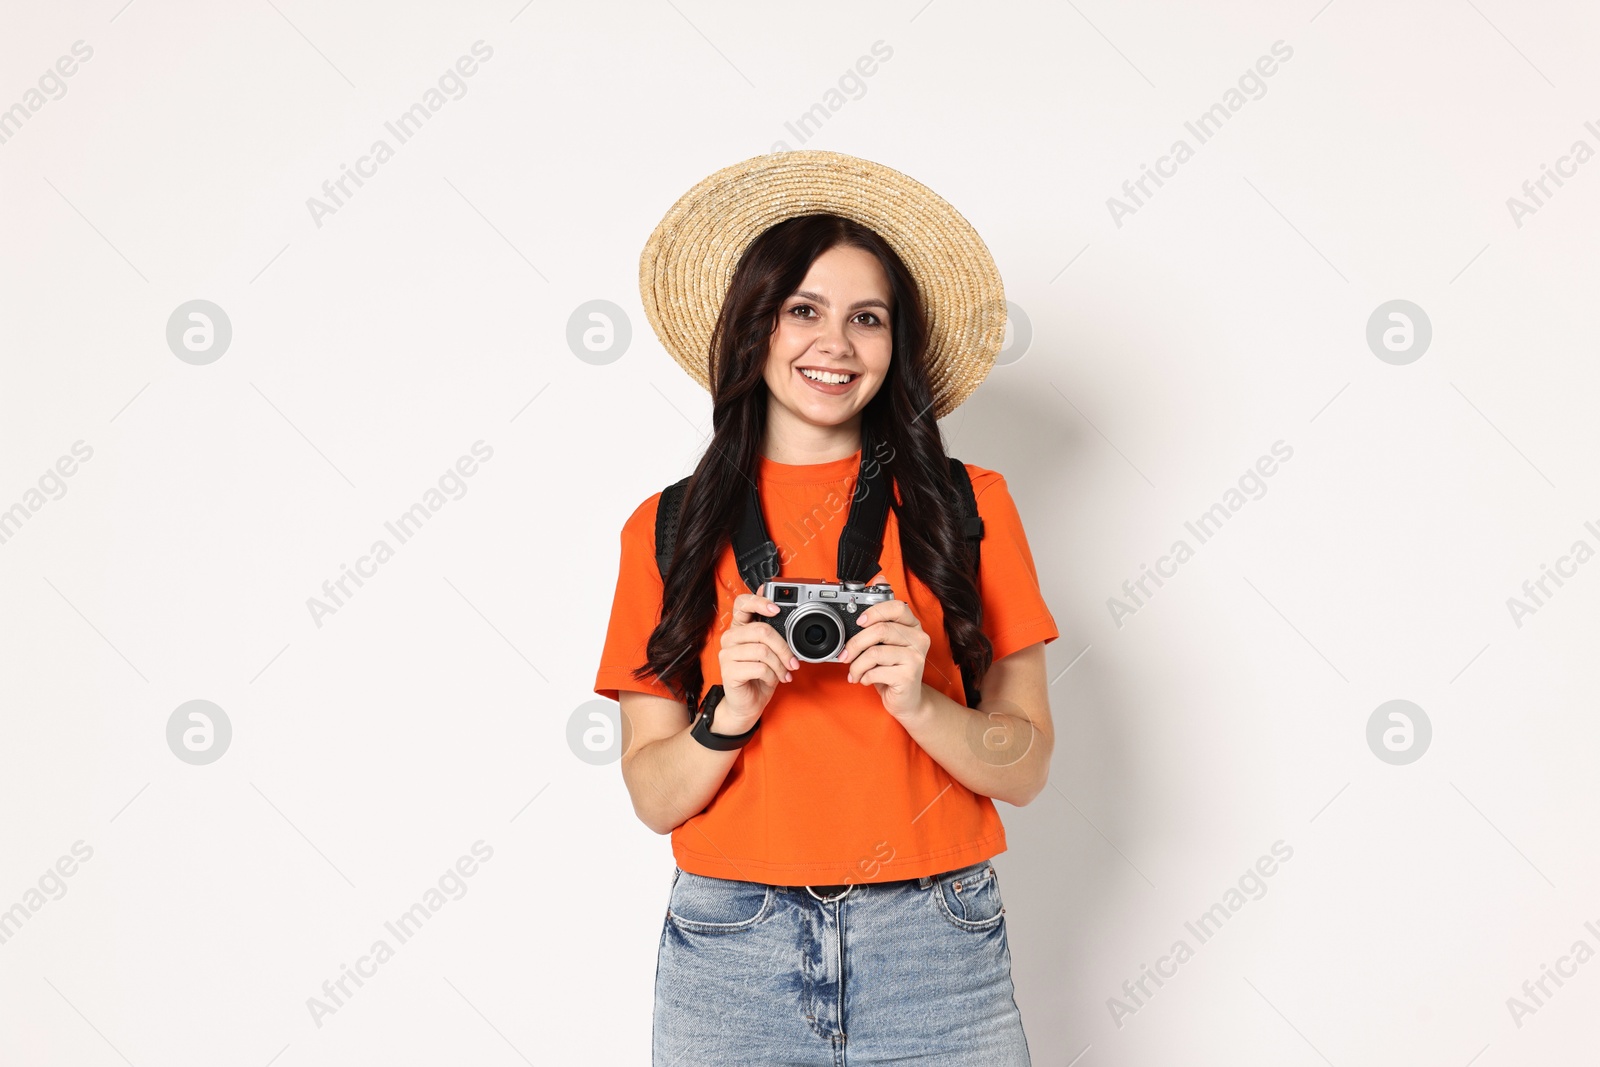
<point>825,377</point>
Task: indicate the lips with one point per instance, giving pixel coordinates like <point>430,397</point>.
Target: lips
<point>830,388</point>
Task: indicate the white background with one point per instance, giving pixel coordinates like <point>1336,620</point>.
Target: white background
<point>1167,354</point>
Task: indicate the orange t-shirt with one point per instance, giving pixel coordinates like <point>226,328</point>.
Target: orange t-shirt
<point>832,789</point>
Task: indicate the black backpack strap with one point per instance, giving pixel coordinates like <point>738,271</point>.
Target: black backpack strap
<point>861,540</point>
<point>668,512</point>
<point>754,551</point>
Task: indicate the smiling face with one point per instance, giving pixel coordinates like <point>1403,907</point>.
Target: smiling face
<point>828,354</point>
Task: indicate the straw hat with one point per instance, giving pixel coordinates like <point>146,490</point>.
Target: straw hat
<point>688,261</point>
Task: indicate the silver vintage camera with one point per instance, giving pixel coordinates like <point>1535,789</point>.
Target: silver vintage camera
<point>818,617</point>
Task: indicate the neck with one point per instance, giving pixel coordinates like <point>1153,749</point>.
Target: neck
<point>789,440</point>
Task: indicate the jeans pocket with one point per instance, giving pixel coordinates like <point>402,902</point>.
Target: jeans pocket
<point>706,905</point>
<point>970,897</point>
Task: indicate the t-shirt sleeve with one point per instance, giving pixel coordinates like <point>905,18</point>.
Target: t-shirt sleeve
<point>635,609</point>
<point>1014,612</point>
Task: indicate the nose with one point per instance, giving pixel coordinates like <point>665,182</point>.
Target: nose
<point>833,339</point>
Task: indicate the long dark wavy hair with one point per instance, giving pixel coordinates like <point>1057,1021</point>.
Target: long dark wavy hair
<point>900,415</point>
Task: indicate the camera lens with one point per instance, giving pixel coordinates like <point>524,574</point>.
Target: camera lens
<point>814,634</point>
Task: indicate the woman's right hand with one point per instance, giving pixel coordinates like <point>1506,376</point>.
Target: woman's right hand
<point>754,658</point>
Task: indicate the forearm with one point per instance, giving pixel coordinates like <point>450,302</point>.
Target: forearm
<point>995,753</point>
<point>673,779</point>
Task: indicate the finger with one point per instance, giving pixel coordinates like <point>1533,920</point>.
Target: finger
<point>898,658</point>
<point>747,606</point>
<point>873,656</point>
<point>779,644</point>
<point>753,622</point>
<point>889,611</point>
<point>760,633</point>
<point>755,670</point>
<point>756,629</point>
<point>761,653</point>
<point>883,633</point>
<point>860,663</point>
<point>883,675</point>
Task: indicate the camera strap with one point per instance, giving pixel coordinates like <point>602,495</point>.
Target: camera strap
<point>860,543</point>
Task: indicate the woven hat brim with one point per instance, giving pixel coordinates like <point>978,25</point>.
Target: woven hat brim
<point>688,262</point>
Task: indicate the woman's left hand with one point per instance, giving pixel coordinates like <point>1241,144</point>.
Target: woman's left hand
<point>889,653</point>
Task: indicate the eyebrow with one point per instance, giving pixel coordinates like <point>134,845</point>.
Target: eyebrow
<point>820,299</point>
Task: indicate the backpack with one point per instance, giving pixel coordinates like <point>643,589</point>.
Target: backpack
<point>860,543</point>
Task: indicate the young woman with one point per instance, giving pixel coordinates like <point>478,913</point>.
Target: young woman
<point>832,900</point>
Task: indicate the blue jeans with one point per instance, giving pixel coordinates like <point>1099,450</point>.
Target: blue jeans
<point>915,971</point>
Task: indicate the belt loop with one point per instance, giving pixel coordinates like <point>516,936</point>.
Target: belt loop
<point>925,881</point>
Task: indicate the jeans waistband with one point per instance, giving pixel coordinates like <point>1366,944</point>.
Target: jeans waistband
<point>835,892</point>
